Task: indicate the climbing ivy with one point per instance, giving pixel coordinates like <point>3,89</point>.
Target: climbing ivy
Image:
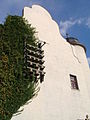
<point>15,89</point>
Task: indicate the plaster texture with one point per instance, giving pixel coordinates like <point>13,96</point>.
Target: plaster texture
<point>56,100</point>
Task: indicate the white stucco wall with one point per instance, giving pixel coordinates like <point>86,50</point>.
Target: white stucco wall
<point>56,100</point>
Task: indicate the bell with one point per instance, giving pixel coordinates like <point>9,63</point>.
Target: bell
<point>41,77</point>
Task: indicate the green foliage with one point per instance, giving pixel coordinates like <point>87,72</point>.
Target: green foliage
<point>15,89</point>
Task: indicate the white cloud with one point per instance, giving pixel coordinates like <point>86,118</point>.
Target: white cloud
<point>65,25</point>
<point>88,60</point>
<point>88,22</point>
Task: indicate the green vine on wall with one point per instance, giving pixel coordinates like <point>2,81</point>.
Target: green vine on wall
<point>15,89</point>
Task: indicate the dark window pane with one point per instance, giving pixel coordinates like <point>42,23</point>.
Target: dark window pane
<point>74,84</point>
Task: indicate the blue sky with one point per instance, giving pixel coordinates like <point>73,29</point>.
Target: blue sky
<point>72,16</point>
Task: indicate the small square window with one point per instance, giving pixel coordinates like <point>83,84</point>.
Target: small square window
<point>74,83</point>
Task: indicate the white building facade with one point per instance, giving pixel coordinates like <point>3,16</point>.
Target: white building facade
<point>65,92</point>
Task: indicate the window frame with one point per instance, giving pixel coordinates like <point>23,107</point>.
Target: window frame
<point>74,82</point>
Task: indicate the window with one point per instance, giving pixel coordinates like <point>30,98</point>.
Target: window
<point>74,83</point>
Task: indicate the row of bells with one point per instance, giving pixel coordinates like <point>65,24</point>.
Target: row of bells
<point>33,58</point>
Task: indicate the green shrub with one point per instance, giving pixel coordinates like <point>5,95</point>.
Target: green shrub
<point>15,89</point>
